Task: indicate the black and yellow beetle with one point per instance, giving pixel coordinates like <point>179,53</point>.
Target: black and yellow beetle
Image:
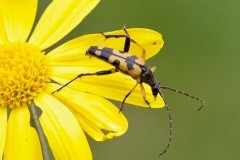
<point>133,66</point>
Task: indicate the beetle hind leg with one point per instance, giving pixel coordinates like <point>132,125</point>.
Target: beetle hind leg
<point>99,73</point>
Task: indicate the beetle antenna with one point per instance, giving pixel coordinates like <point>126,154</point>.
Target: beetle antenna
<point>186,94</point>
<point>170,126</point>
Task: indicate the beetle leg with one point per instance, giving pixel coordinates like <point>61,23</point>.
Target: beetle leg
<point>144,95</point>
<point>103,72</point>
<point>126,96</point>
<point>127,41</point>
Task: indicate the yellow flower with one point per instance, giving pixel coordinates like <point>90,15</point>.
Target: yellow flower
<point>29,74</point>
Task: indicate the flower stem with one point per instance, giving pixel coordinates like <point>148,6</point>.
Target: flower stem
<point>35,113</point>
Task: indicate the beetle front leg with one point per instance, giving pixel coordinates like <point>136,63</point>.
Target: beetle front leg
<point>127,41</point>
<point>144,95</point>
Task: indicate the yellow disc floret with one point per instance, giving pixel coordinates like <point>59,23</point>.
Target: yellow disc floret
<point>24,73</point>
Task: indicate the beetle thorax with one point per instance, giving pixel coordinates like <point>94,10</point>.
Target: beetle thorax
<point>148,78</point>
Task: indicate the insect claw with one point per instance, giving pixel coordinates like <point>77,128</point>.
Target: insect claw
<point>120,110</point>
<point>121,107</point>
<point>149,106</point>
<point>148,103</point>
<point>105,36</point>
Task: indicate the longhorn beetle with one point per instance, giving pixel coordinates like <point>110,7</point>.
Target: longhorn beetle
<point>136,68</point>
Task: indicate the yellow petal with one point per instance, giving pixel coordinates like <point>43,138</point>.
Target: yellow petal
<point>114,86</point>
<point>3,124</point>
<point>59,19</point>
<point>75,50</point>
<point>18,17</point>
<point>22,141</point>
<point>97,116</point>
<point>3,34</point>
<point>62,130</point>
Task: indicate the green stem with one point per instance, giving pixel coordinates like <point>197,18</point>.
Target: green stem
<point>35,114</point>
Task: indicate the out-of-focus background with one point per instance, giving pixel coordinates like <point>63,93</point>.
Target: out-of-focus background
<point>201,56</point>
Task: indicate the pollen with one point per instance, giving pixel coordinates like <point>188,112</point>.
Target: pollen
<point>24,73</point>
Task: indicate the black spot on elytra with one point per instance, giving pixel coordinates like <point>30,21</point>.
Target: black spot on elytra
<point>130,62</point>
<point>106,53</point>
<point>107,50</point>
<point>92,50</point>
<point>116,63</point>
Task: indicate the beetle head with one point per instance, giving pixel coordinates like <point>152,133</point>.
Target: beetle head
<point>155,89</point>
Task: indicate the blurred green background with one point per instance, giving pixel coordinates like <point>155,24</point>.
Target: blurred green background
<point>200,56</point>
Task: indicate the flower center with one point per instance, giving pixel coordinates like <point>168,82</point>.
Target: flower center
<point>24,73</point>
